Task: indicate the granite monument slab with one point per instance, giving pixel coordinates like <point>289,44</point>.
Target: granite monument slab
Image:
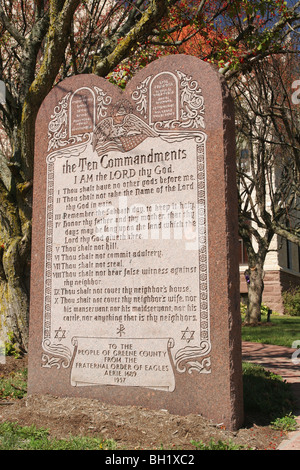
<point>135,281</point>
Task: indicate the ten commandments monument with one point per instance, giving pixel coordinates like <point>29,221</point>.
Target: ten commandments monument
<point>135,283</point>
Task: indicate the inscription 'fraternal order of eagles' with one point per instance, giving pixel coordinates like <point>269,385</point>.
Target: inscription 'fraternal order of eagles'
<point>126,267</point>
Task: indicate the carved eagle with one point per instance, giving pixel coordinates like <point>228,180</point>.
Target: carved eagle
<point>122,132</point>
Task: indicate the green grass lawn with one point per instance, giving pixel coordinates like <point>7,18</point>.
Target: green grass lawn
<point>15,437</point>
<point>264,393</point>
<point>282,331</point>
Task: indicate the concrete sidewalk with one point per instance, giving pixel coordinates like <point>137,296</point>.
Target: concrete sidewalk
<point>278,359</point>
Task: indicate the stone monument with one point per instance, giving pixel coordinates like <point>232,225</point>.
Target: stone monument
<point>135,281</point>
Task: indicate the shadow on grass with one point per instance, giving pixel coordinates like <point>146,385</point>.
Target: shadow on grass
<point>266,395</point>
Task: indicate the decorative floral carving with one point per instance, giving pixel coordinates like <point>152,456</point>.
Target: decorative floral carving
<point>103,101</point>
<point>187,359</point>
<point>63,354</point>
<point>140,96</point>
<point>57,129</point>
<point>192,102</point>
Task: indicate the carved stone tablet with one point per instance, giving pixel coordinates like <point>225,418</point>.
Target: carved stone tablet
<point>135,284</point>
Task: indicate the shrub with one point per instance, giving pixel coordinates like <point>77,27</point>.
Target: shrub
<point>11,348</point>
<point>264,310</point>
<point>291,302</point>
<point>286,424</point>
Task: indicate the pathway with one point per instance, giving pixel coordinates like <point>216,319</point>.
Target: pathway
<point>278,359</point>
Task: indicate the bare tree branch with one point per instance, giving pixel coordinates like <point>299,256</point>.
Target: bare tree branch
<point>11,28</point>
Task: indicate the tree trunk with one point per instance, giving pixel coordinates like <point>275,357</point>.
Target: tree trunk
<point>14,270</point>
<point>255,292</point>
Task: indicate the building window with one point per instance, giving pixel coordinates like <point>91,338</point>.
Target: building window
<point>289,255</point>
<point>244,160</point>
<point>243,252</point>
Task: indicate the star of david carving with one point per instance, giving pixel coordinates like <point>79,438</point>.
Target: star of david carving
<point>187,335</point>
<point>60,334</point>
